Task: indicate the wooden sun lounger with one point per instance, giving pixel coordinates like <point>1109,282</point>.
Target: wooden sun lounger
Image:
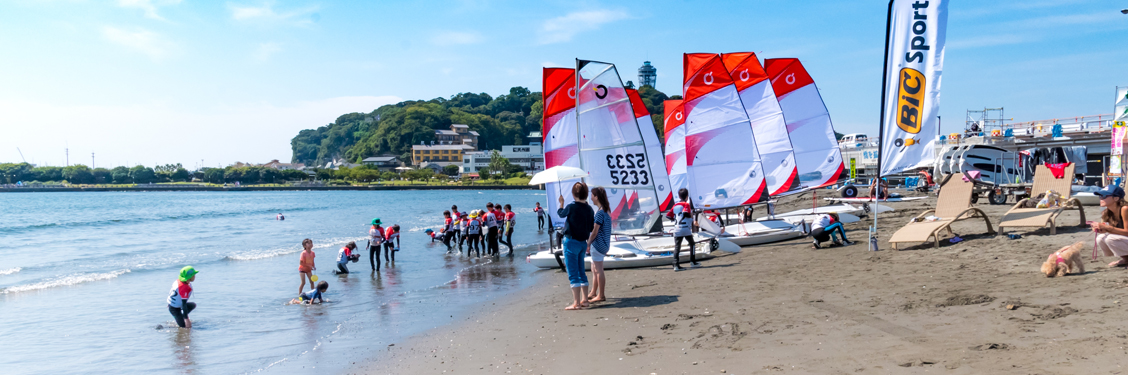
<point>1044,180</point>
<point>953,204</point>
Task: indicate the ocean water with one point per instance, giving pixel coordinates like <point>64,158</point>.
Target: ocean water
<point>84,278</point>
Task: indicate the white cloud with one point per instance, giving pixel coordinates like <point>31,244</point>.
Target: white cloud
<point>448,38</point>
<point>156,46</point>
<point>267,13</point>
<point>987,41</point>
<point>148,6</point>
<point>160,132</point>
<point>564,28</point>
<point>266,50</point>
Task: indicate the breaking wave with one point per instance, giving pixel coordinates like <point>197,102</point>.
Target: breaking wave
<point>74,279</point>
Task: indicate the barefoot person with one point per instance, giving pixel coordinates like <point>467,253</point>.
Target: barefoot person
<point>375,242</point>
<point>1112,230</point>
<point>305,264</point>
<point>178,303</point>
<point>578,220</point>
<point>598,244</point>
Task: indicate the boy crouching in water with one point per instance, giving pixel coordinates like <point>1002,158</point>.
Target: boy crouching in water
<point>312,294</point>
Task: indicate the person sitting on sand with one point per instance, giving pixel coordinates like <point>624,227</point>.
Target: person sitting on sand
<point>305,264</point>
<point>824,228</point>
<point>578,222</point>
<point>600,242</point>
<point>884,188</point>
<point>312,294</point>
<point>344,256</point>
<point>178,303</point>
<point>1112,230</point>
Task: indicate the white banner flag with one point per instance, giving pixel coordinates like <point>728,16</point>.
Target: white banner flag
<point>914,61</point>
<point>1120,109</point>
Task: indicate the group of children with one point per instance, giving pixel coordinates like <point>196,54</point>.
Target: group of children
<point>496,221</point>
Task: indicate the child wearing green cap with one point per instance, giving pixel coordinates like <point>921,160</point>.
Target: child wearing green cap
<point>178,303</point>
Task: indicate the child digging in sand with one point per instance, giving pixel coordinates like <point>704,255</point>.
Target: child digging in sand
<point>305,264</point>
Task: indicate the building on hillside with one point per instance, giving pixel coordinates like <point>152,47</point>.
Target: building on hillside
<point>283,166</point>
<point>434,167</point>
<point>647,75</point>
<point>530,157</point>
<point>459,134</point>
<point>382,163</point>
<point>435,153</point>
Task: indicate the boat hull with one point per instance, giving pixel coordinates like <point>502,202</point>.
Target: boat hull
<point>633,253</point>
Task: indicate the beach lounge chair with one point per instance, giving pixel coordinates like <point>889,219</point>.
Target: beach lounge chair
<point>1044,180</point>
<point>953,204</point>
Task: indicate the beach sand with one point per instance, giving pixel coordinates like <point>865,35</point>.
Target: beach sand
<point>975,307</point>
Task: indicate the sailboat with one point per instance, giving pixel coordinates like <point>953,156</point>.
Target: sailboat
<point>610,145</point>
<point>723,162</point>
<point>559,131</point>
<point>817,154</point>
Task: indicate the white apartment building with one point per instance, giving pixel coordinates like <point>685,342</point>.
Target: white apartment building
<point>530,157</point>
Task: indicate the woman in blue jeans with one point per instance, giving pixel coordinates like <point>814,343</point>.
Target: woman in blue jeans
<point>579,219</point>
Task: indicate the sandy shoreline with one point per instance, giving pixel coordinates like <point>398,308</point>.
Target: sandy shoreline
<point>787,307</point>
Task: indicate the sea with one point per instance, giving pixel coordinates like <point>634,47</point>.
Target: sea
<point>84,278</point>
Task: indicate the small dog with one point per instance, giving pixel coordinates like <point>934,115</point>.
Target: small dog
<point>1064,260</point>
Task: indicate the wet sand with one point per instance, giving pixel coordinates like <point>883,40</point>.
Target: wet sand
<point>975,307</point>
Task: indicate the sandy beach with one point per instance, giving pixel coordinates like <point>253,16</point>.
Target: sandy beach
<point>974,307</point>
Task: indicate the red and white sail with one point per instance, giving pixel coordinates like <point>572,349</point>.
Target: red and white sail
<point>653,151</point>
<point>612,148</point>
<point>721,155</point>
<point>559,130</point>
<point>808,124</point>
<point>674,125</point>
<point>766,118</point>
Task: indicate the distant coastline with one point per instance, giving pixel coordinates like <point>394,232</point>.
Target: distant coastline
<point>261,188</point>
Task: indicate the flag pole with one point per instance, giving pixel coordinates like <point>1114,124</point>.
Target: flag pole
<point>881,128</point>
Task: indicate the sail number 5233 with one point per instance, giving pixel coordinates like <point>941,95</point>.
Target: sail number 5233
<point>629,169</point>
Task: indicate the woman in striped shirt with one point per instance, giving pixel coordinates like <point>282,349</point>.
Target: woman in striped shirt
<point>600,241</point>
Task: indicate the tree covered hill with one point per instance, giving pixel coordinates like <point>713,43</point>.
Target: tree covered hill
<point>392,129</point>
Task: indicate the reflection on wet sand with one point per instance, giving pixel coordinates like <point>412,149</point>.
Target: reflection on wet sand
<point>182,350</point>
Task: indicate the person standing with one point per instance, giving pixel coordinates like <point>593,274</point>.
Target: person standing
<point>578,221</point>
<point>599,243</point>
<point>448,230</point>
<point>306,265</point>
<point>510,220</point>
<point>540,216</point>
<point>464,225</point>
<point>491,219</point>
<point>457,222</point>
<point>684,226</point>
<point>474,231</point>
<point>375,242</point>
<point>178,303</point>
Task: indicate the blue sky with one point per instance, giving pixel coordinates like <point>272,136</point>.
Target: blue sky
<point>158,81</point>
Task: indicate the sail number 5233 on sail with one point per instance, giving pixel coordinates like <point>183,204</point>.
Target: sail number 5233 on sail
<point>629,169</point>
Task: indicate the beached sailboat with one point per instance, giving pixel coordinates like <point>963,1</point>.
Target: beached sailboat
<point>559,130</point>
<point>723,162</point>
<point>808,124</point>
<point>674,126</point>
<point>610,145</point>
<point>767,121</point>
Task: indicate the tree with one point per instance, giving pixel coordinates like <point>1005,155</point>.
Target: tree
<point>451,170</point>
<point>181,174</point>
<point>498,164</point>
<point>102,176</point>
<point>142,174</point>
<point>214,175</point>
<point>78,174</point>
<point>120,175</point>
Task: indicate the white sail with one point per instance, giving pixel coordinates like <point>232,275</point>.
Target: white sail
<point>653,151</point>
<point>766,117</point>
<point>612,149</point>
<point>721,156</point>
<point>674,124</point>
<point>808,124</point>
<point>559,129</point>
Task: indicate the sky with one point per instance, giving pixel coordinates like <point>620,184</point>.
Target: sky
<point>209,83</point>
